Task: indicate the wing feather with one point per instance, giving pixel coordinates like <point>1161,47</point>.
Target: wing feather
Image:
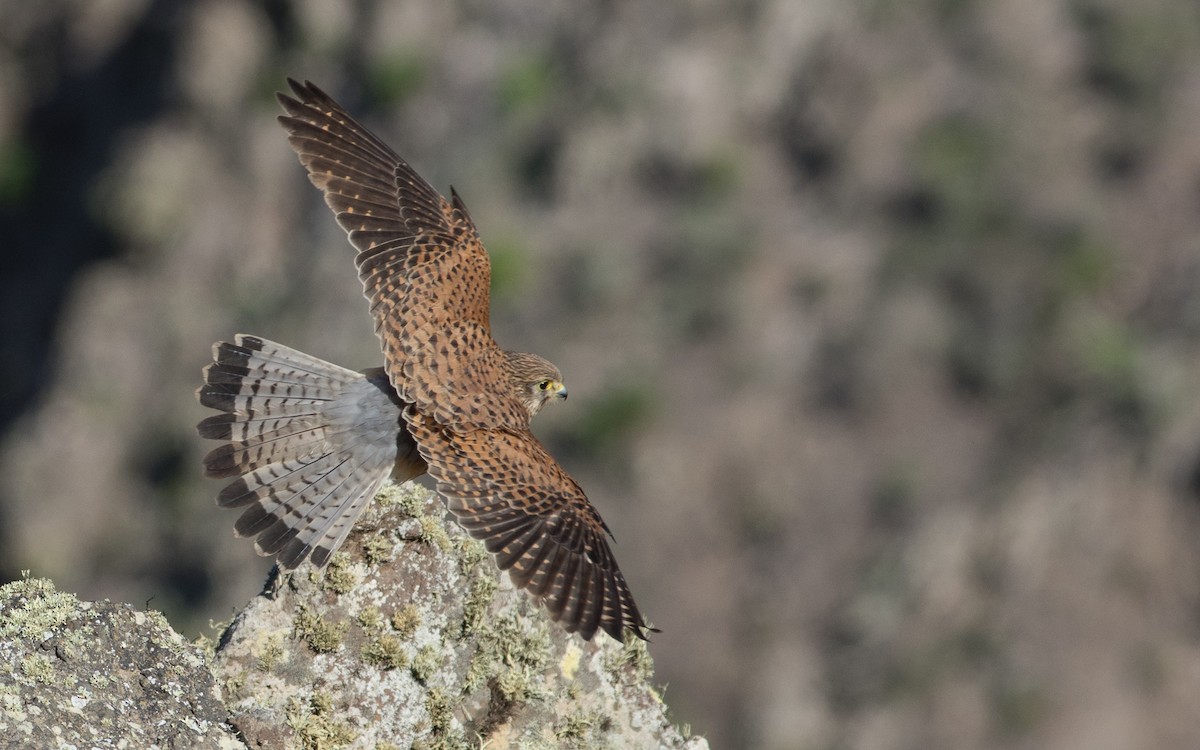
<point>506,490</point>
<point>423,268</point>
<point>427,276</point>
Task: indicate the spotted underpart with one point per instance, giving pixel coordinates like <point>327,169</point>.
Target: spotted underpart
<point>448,398</point>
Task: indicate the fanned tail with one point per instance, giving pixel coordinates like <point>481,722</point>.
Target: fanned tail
<point>308,442</point>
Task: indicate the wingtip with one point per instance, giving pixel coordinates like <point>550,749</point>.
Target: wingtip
<point>621,630</point>
<point>287,99</point>
<point>457,203</point>
<point>303,89</point>
<point>302,94</point>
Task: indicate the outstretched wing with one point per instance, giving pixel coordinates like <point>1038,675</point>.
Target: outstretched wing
<point>427,277</point>
<point>423,268</point>
<point>506,490</point>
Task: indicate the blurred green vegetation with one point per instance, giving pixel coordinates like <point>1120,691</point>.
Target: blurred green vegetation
<point>1025,294</point>
<point>509,258</point>
<point>18,166</point>
<point>1018,707</point>
<point>609,419</point>
<point>892,501</point>
<point>693,261</point>
<point>700,186</point>
<point>393,79</point>
<point>1133,51</point>
<point>527,85</point>
<point>1083,265</point>
<point>916,671</point>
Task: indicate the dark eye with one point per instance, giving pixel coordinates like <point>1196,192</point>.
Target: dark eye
<point>545,384</point>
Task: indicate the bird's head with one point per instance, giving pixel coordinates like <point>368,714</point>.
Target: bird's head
<point>536,380</point>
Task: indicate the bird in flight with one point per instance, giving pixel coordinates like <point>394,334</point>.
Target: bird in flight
<point>309,443</point>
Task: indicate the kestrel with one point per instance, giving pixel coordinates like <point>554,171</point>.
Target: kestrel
<point>310,443</point>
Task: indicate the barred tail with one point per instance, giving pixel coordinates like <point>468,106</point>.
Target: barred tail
<point>309,443</point>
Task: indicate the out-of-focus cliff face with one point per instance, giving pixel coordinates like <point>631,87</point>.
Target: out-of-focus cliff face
<point>879,321</point>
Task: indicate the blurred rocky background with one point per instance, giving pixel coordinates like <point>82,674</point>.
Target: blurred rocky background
<point>880,319</point>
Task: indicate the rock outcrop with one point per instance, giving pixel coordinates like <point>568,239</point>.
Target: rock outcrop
<point>410,638</point>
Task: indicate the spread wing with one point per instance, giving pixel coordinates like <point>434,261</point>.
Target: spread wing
<point>423,268</point>
<point>506,490</point>
<point>427,277</point>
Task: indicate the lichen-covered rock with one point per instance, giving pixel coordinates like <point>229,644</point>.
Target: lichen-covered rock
<point>101,675</point>
<point>411,638</point>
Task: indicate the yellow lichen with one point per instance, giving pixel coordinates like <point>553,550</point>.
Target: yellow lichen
<point>339,577</point>
<point>478,602</point>
<point>406,619</point>
<point>437,703</point>
<point>271,653</point>
<point>409,499</point>
<point>377,549</point>
<point>370,618</point>
<point>234,685</point>
<point>433,532</point>
<point>38,668</point>
<point>33,606</point>
<point>426,662</point>
<point>584,730</point>
<point>632,664</point>
<point>514,650</point>
<point>315,726</point>
<point>569,665</point>
<point>385,652</point>
<point>321,635</point>
<point>471,554</point>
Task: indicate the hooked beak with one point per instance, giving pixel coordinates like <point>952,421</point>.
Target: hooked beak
<point>561,391</point>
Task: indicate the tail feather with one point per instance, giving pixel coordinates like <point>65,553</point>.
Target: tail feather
<point>295,501</point>
<point>280,479</point>
<point>233,459</point>
<point>288,365</point>
<point>295,516</point>
<point>327,523</point>
<point>323,534</point>
<point>247,429</point>
<point>308,443</point>
<point>255,405</point>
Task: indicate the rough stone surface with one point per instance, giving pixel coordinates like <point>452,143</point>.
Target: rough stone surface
<point>409,639</point>
<point>79,674</point>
